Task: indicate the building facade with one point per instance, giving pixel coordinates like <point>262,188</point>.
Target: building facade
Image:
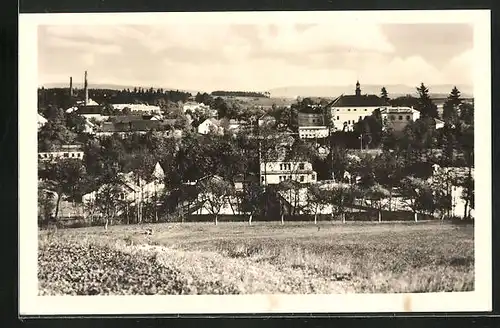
<point>63,152</point>
<point>397,118</point>
<point>347,110</point>
<point>276,172</point>
<point>313,132</point>
<point>310,119</point>
<point>210,125</point>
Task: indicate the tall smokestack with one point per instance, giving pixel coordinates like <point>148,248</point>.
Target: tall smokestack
<point>71,86</point>
<point>86,90</point>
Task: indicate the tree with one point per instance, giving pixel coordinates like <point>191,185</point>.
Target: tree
<point>317,200</point>
<point>417,195</point>
<point>109,202</point>
<point>215,192</point>
<point>252,198</point>
<point>63,177</point>
<point>467,113</point>
<point>54,134</point>
<point>341,197</point>
<point>376,195</point>
<point>45,205</point>
<point>425,105</point>
<point>291,187</point>
<point>468,196</point>
<point>384,95</point>
<point>388,171</point>
<point>451,106</point>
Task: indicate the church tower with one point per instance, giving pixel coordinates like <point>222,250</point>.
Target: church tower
<point>358,89</point>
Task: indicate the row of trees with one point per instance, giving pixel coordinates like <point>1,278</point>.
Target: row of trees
<point>252,94</point>
<point>60,97</point>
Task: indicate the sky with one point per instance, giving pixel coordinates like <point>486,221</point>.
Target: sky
<point>258,57</point>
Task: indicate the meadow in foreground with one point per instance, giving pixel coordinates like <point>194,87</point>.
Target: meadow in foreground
<point>234,258</point>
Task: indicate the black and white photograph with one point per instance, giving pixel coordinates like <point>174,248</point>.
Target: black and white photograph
<point>255,162</point>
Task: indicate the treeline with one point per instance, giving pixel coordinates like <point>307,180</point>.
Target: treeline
<point>240,94</point>
<point>60,97</point>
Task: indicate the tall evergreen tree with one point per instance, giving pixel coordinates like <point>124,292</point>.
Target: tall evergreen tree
<point>384,95</point>
<point>425,105</point>
<point>451,106</point>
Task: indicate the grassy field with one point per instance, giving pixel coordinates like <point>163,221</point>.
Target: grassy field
<point>234,258</point>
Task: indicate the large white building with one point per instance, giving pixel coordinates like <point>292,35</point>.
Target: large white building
<point>279,171</point>
<point>397,118</point>
<point>347,110</point>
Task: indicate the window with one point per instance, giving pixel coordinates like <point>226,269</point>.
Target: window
<point>289,177</point>
<point>72,154</point>
<point>337,118</point>
<point>301,178</point>
<point>313,177</point>
<point>40,156</point>
<point>301,166</point>
<point>281,166</point>
<point>400,117</point>
<point>262,179</point>
<point>365,109</point>
<point>354,109</point>
<point>79,155</point>
<point>408,117</point>
<point>391,117</point>
<point>360,118</point>
<point>66,155</point>
<point>348,109</point>
<point>289,166</point>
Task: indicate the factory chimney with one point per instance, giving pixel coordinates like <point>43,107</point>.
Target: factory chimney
<point>71,86</point>
<point>86,90</point>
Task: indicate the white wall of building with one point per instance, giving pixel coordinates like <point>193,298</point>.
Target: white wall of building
<point>208,126</point>
<point>349,115</point>
<point>398,118</point>
<point>312,132</point>
<point>276,172</point>
<point>48,156</point>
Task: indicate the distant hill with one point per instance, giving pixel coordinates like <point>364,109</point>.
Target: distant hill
<point>396,90</point>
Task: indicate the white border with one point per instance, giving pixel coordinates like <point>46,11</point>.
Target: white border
<point>31,304</point>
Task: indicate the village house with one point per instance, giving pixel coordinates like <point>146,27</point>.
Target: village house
<point>279,171</point>
<point>194,106</point>
<point>130,124</point>
<point>133,189</point>
<point>210,125</point>
<point>346,110</point>
<point>397,118</point>
<point>62,152</point>
<point>266,120</point>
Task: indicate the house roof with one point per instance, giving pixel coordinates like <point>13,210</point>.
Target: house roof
<point>41,119</point>
<point>138,125</point>
<point>90,109</point>
<point>358,101</point>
